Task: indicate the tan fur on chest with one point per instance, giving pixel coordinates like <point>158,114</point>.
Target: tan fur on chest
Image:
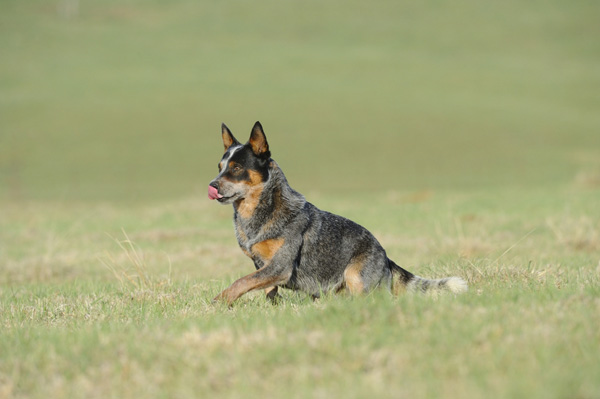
<point>267,249</point>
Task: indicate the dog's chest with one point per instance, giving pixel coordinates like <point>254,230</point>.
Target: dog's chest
<point>256,245</point>
<point>242,236</point>
<point>245,235</point>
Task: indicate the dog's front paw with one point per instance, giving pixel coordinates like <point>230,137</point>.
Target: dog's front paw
<point>224,297</point>
<point>219,298</point>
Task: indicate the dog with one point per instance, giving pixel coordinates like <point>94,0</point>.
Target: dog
<point>292,243</point>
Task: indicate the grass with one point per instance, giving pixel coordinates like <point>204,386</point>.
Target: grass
<point>111,103</point>
<point>463,135</point>
<point>527,327</point>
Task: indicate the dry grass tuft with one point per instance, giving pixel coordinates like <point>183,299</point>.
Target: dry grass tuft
<point>133,274</point>
<point>580,234</point>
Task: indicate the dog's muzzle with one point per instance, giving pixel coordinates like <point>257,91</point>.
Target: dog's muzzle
<point>213,191</point>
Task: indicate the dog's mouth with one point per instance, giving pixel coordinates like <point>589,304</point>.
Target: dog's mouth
<point>214,194</point>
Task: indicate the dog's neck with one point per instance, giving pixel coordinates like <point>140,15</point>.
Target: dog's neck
<point>273,200</point>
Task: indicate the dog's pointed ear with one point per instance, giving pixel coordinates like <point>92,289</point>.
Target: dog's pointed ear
<point>228,139</point>
<point>258,142</point>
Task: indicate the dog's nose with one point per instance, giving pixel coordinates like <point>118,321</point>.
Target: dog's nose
<point>213,191</point>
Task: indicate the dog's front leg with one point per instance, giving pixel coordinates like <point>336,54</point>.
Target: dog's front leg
<point>272,294</point>
<point>269,276</point>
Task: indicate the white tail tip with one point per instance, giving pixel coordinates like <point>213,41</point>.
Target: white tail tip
<point>456,285</point>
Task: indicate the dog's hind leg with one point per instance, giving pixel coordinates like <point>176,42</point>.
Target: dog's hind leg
<point>353,280</point>
<point>365,273</point>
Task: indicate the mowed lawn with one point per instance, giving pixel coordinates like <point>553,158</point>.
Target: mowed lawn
<point>464,135</point>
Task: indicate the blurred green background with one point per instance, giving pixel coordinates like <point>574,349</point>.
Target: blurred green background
<point>123,100</point>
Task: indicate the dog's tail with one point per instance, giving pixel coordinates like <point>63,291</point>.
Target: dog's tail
<point>413,282</point>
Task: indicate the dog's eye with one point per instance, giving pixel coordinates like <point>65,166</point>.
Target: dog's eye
<point>236,169</point>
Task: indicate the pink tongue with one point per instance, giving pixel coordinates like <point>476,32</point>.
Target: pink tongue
<point>213,193</point>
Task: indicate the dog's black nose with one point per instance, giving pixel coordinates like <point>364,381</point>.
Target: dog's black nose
<point>214,184</point>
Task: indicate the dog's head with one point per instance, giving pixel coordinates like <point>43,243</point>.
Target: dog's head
<point>244,167</point>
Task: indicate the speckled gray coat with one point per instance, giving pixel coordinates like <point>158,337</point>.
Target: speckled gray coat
<point>292,243</point>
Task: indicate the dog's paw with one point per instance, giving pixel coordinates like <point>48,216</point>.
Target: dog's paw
<point>223,298</point>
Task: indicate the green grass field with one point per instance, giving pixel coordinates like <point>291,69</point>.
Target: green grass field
<point>464,135</point>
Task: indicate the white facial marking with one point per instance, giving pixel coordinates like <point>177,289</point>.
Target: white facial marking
<point>225,162</point>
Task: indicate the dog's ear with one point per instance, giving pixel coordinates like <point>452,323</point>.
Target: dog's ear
<point>258,142</point>
<point>228,139</point>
